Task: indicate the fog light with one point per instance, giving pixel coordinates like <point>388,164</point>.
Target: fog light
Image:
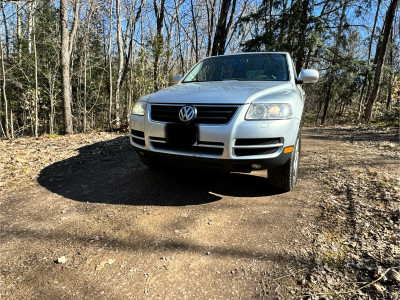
<point>256,166</point>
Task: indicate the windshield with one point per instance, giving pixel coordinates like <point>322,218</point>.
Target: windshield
<point>246,67</point>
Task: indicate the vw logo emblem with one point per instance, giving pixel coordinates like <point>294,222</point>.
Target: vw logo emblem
<point>187,113</point>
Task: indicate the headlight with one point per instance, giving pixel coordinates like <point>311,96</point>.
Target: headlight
<point>139,108</point>
<point>270,111</point>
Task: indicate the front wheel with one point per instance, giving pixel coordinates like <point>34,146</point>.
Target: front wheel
<point>284,178</point>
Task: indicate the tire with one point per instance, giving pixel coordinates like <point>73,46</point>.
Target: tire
<point>284,178</point>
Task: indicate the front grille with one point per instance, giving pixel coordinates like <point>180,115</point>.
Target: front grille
<point>206,114</point>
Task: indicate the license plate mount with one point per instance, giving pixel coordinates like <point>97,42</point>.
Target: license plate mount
<point>181,135</point>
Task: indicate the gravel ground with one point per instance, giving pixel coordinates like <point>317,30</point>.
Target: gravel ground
<point>82,218</point>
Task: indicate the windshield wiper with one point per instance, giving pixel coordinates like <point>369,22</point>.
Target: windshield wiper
<point>197,80</point>
<point>233,79</point>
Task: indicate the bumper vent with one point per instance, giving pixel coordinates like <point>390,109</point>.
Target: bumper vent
<point>138,137</point>
<point>257,142</point>
<point>251,147</point>
<point>255,151</point>
<point>206,114</point>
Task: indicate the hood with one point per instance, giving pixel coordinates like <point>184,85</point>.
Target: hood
<point>218,92</point>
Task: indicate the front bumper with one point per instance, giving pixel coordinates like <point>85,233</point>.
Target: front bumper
<point>233,146</point>
<point>242,165</point>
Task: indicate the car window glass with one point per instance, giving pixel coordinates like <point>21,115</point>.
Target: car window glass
<point>249,67</point>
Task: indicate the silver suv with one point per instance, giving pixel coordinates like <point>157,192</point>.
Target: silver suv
<point>238,112</point>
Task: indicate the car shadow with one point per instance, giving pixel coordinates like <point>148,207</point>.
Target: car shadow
<point>110,172</point>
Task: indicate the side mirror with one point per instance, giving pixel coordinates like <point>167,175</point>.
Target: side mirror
<point>176,79</point>
<point>308,76</point>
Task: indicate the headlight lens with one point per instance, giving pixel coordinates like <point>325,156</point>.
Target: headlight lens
<point>139,108</point>
<point>270,111</point>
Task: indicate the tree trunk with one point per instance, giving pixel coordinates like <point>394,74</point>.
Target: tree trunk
<point>223,26</point>
<point>210,19</point>
<point>196,36</point>
<point>19,31</point>
<point>52,106</point>
<point>30,25</point>
<point>159,12</point>
<point>391,77</point>
<point>4,94</point>
<point>84,117</point>
<point>110,120</point>
<point>65,60</point>
<point>380,55</point>
<point>373,31</point>
<point>367,75</point>
<point>180,43</point>
<point>124,53</point>
<point>302,35</point>
<point>11,123</point>
<point>326,103</point>
<point>321,104</point>
<point>36,102</point>
<point>335,61</point>
<point>121,63</point>
<point>5,30</point>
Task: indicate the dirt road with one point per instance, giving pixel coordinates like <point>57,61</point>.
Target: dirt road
<point>124,231</point>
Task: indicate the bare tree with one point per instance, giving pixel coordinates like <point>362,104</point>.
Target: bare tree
<point>159,11</point>
<point>124,51</point>
<point>110,82</point>
<point>211,7</point>
<point>196,33</point>
<point>66,45</point>
<point>3,88</point>
<point>380,57</point>
<point>36,99</point>
<point>223,26</point>
<point>5,29</point>
<point>367,79</point>
<point>329,82</point>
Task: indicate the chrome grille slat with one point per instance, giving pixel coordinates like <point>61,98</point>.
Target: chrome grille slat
<point>258,146</point>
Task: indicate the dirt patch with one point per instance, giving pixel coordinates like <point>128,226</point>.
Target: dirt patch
<point>82,218</point>
<point>356,250</point>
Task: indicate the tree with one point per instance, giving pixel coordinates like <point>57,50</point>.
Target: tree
<point>335,63</point>
<point>223,26</point>
<point>3,89</point>
<point>279,27</point>
<point>124,51</point>
<point>72,65</point>
<point>380,56</point>
<point>66,44</point>
<point>159,11</point>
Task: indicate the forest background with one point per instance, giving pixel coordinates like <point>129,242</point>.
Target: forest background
<point>74,66</point>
